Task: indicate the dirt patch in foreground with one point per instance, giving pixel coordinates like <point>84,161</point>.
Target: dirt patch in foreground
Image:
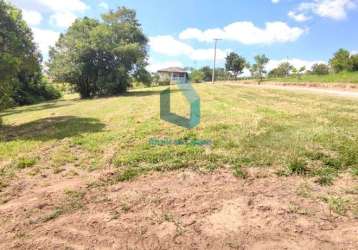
<point>178,210</point>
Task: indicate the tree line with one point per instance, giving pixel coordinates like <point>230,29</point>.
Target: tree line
<point>21,78</point>
<point>235,64</point>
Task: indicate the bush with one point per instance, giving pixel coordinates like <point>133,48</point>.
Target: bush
<point>34,93</point>
<point>49,92</point>
<point>282,70</point>
<point>320,69</point>
<point>197,76</point>
<point>354,62</point>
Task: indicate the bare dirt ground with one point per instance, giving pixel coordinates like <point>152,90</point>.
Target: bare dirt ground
<point>176,210</point>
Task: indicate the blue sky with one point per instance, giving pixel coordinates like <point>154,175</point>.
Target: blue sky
<point>181,32</point>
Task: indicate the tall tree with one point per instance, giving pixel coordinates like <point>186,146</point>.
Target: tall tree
<point>341,61</point>
<point>258,69</point>
<point>20,69</point>
<point>235,63</point>
<point>101,57</point>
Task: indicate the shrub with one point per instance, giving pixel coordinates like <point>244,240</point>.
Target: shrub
<point>320,69</point>
<point>34,93</point>
<point>24,162</point>
<point>197,76</point>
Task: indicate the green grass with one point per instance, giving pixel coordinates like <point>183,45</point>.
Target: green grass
<point>343,77</point>
<point>299,134</point>
<point>337,205</point>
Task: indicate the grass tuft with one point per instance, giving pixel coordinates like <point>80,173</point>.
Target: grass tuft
<point>240,172</point>
<point>26,162</point>
<point>297,167</point>
<point>127,175</point>
<point>337,204</point>
<point>325,176</point>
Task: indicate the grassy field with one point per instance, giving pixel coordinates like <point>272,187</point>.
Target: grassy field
<point>84,173</point>
<point>339,78</point>
<point>292,134</point>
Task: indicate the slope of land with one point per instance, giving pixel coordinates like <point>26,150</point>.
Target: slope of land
<point>339,92</point>
<point>342,77</point>
<point>281,173</point>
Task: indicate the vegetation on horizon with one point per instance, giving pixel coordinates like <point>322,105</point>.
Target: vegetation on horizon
<point>342,68</point>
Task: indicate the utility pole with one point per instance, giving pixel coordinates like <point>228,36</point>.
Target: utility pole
<point>216,42</point>
<point>288,70</point>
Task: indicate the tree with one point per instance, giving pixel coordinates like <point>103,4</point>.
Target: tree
<point>235,63</point>
<point>258,69</point>
<point>207,71</point>
<point>301,71</point>
<point>320,69</point>
<point>220,74</point>
<point>197,76</point>
<point>101,57</point>
<point>294,71</point>
<point>21,80</point>
<point>354,62</point>
<point>341,61</point>
<point>282,70</point>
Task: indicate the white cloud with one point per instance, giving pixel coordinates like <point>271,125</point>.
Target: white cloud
<point>62,19</point>
<point>103,5</point>
<point>62,12</point>
<point>354,52</point>
<point>155,66</point>
<point>32,17</point>
<point>169,46</point>
<point>63,5</point>
<point>297,63</point>
<point>334,9</point>
<point>275,1</point>
<point>299,17</point>
<point>44,39</point>
<point>247,33</point>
